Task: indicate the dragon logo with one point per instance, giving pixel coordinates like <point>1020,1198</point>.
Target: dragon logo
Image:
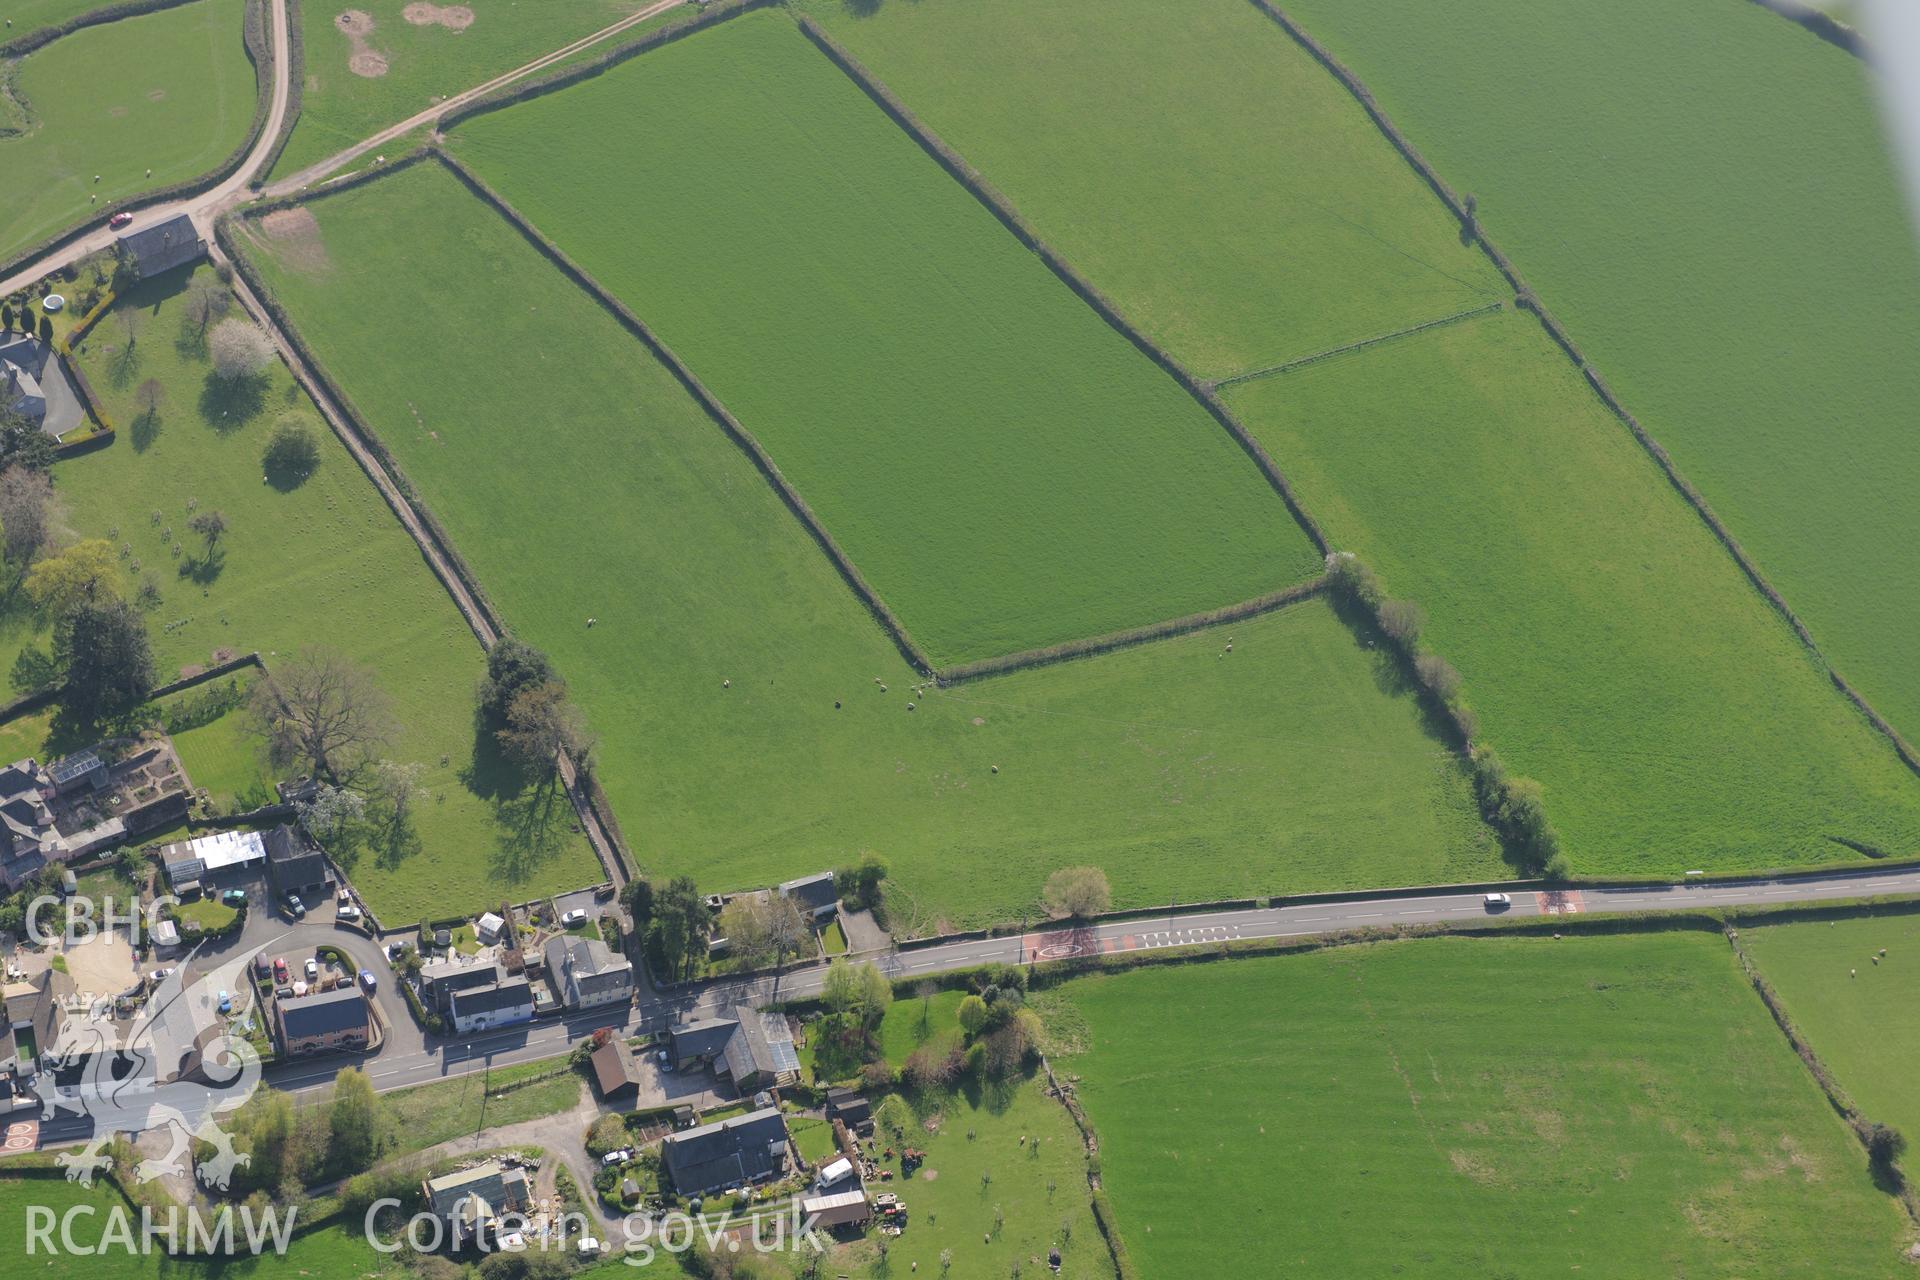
<point>174,1065</point>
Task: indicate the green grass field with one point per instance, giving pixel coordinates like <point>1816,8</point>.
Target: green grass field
<point>1005,469</point>
<point>1857,1014</point>
<point>1190,160</point>
<point>171,91</point>
<point>1293,762</point>
<point>424,62</point>
<point>1646,165</point>
<point>1610,647</point>
<point>24,16</point>
<point>325,563</point>
<point>227,756</point>
<point>1594,1106</point>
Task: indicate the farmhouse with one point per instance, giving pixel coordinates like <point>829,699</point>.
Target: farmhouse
<point>161,247</point>
<point>472,1201</point>
<point>753,1049</point>
<point>334,1021</point>
<point>586,974</point>
<point>35,382</point>
<point>504,1002</point>
<point>440,979</point>
<point>728,1153</point>
<point>615,1070</point>
<point>296,866</point>
<point>813,895</point>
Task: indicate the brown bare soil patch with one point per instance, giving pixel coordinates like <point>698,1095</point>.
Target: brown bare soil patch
<point>156,95</point>
<point>363,59</point>
<point>454,17</point>
<point>296,240</point>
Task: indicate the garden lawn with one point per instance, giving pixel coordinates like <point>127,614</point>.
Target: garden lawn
<point>429,1114</point>
<point>172,91</point>
<point>1650,167</point>
<point>1036,1182</point>
<point>602,492</point>
<point>324,563</point>
<point>424,62</point>
<point>1189,159</point>
<point>1617,1106</point>
<point>226,756</point>
<point>1609,646</point>
<point>1005,469</point>
<point>1858,1015</point>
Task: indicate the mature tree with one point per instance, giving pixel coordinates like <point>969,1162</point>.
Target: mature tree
<point>293,452</point>
<point>396,789</point>
<point>270,1130</point>
<point>210,525</point>
<point>1009,1046</point>
<point>973,1014</point>
<point>239,349</point>
<point>322,710</point>
<point>102,647</point>
<point>1402,621</point>
<point>862,882</point>
<point>637,897</point>
<point>129,321</point>
<point>876,994</point>
<point>333,811</point>
<point>46,327</point>
<point>840,989</point>
<point>1079,892</point>
<point>148,396</point>
<point>680,927</point>
<point>26,497</point>
<point>543,727</point>
<point>762,926</point>
<point>512,666</point>
<point>206,302</point>
<point>85,571</point>
<point>352,1122</point>
<point>1884,1147</point>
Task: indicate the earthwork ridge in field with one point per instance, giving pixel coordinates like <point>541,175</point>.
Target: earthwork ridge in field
<point>996,458</point>
<point>1609,648</point>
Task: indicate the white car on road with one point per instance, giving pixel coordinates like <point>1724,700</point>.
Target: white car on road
<point>1499,901</point>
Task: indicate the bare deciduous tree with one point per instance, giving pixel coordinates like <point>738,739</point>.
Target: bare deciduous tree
<point>762,926</point>
<point>148,395</point>
<point>238,349</point>
<point>206,302</point>
<point>543,726</point>
<point>322,710</point>
<point>1078,892</point>
<point>26,497</point>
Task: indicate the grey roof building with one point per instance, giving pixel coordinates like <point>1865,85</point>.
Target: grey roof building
<point>752,1048</point>
<point>814,895</point>
<point>162,246</point>
<point>585,973</point>
<point>505,1002</point>
<point>21,359</point>
<point>330,1020</point>
<point>727,1153</point>
<point>294,865</point>
<point>441,978</point>
<point>28,839</point>
<point>471,1200</point>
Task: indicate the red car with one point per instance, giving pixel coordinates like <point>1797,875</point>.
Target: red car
<point>119,220</point>
<point>280,970</point>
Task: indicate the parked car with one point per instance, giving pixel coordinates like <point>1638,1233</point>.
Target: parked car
<point>348,913</point>
<point>225,1004</point>
<point>661,1054</point>
<point>285,993</point>
<point>159,976</point>
<point>621,1156</point>
<point>1499,901</point>
<point>280,969</point>
<point>346,897</point>
<point>234,897</point>
<point>574,918</point>
<point>367,979</point>
<point>296,908</point>
<point>120,220</point>
<point>313,969</point>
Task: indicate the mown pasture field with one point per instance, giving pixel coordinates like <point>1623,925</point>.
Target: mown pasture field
<point>1647,167</point>
<point>1005,469</point>
<point>1609,645</point>
<point>579,481</point>
<point>1855,1009</point>
<point>418,62</point>
<point>325,563</point>
<point>1617,1106</point>
<point>171,91</point>
<point>224,753</point>
<point>1190,160</point>
<point>23,17</point>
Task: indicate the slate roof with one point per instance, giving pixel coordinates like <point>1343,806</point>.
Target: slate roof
<point>812,893</point>
<point>749,1148</point>
<point>705,1038</point>
<point>497,1187</point>
<point>342,1009</point>
<point>293,863</point>
<point>762,1046</point>
<point>614,1067</point>
<point>507,993</point>
<point>162,246</point>
<point>585,966</point>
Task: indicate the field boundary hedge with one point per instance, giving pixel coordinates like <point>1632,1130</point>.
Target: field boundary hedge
<point>296,92</point>
<point>549,82</point>
<point>258,42</point>
<point>1836,1095</point>
<point>1839,34</point>
<point>710,403</point>
<point>22,45</point>
<point>1526,298</point>
<point>1001,208</point>
<point>1362,345</point>
<point>1127,639</point>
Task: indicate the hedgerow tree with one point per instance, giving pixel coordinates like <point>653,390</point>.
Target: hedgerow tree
<point>321,710</point>
<point>512,665</point>
<point>1079,892</point>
